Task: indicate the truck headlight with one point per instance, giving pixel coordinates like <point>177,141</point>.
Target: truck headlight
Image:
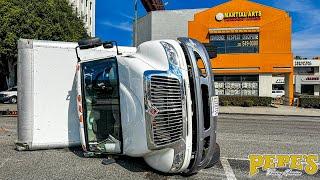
<point>177,161</point>
<point>171,53</point>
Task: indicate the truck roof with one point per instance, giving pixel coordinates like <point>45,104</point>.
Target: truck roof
<point>32,43</point>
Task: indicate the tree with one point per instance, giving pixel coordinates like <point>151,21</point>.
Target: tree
<point>34,19</point>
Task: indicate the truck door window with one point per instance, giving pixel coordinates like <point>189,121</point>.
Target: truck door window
<point>101,96</point>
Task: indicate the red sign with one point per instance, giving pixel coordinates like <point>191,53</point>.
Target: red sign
<point>312,79</point>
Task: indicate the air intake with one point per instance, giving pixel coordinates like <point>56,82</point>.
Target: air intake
<point>166,97</point>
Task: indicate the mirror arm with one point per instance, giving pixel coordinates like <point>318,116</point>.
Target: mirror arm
<point>78,58</point>
<point>115,42</point>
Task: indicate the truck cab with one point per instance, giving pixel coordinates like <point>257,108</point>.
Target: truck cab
<point>156,104</point>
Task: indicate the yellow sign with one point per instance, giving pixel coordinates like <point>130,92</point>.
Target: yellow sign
<point>251,15</point>
<point>299,162</point>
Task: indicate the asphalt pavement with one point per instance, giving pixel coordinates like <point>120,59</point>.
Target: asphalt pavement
<point>238,136</point>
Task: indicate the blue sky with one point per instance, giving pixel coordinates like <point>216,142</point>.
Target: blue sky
<point>114,20</point>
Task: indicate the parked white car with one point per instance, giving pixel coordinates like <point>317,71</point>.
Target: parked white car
<point>9,96</point>
<point>277,93</point>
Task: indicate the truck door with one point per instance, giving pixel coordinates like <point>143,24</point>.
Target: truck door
<point>101,105</point>
<point>204,104</point>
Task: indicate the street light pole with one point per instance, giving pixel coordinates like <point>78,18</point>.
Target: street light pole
<point>135,22</point>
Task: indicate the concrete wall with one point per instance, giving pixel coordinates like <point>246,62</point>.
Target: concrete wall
<point>297,84</point>
<point>265,85</point>
<point>164,25</point>
<point>144,30</point>
<point>173,23</point>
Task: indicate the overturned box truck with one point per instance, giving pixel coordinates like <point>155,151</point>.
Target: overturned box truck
<point>152,101</point>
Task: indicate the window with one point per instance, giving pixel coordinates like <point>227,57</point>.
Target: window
<point>235,43</point>
<point>86,3</point>
<point>278,86</point>
<point>307,89</point>
<point>237,85</point>
<point>304,70</point>
<point>100,89</point>
<point>90,5</point>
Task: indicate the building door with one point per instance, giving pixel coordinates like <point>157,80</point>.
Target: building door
<point>307,89</point>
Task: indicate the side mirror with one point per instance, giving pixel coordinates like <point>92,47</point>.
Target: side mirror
<point>108,45</point>
<point>89,43</point>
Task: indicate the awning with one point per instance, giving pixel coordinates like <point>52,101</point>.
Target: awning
<point>233,30</point>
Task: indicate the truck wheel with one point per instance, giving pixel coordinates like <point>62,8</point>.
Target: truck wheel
<point>13,100</point>
<point>216,156</point>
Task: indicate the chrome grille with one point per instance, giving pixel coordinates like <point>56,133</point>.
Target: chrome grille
<point>166,96</point>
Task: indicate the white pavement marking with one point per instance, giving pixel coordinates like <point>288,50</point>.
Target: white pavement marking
<point>237,159</point>
<point>227,169</point>
<point>2,164</point>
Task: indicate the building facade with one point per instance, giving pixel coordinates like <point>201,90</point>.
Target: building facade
<point>307,76</point>
<point>87,10</point>
<point>253,42</point>
<point>163,25</point>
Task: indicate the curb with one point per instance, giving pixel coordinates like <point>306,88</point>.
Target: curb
<point>284,115</point>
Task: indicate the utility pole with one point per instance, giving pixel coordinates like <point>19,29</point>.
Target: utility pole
<point>135,22</point>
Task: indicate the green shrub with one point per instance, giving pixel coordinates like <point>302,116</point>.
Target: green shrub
<point>248,103</point>
<point>224,103</point>
<point>240,100</point>
<point>309,101</point>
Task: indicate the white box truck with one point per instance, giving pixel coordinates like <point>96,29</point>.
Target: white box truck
<point>152,102</point>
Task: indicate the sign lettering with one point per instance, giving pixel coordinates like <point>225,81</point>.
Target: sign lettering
<point>239,16</point>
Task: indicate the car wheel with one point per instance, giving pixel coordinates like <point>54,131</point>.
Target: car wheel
<point>216,156</point>
<point>13,100</point>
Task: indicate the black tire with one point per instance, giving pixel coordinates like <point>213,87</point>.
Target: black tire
<point>13,100</point>
<point>216,156</point>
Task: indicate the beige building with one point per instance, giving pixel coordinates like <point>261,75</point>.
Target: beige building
<point>86,9</point>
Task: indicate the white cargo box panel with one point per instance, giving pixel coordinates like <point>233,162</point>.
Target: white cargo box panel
<point>47,104</point>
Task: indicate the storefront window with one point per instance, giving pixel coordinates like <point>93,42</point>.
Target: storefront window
<point>307,89</point>
<point>235,43</point>
<point>304,70</point>
<point>237,85</point>
<point>277,86</point>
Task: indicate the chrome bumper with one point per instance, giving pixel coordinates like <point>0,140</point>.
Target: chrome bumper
<point>204,123</point>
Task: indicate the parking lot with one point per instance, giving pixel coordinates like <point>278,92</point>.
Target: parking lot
<point>238,137</point>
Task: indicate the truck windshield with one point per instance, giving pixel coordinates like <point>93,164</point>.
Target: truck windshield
<point>100,88</point>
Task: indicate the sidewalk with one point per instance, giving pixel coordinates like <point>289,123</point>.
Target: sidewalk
<point>269,111</point>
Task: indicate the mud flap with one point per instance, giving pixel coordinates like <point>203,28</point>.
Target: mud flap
<point>204,109</point>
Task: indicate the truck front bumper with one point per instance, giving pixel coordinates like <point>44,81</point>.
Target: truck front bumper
<point>204,121</point>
